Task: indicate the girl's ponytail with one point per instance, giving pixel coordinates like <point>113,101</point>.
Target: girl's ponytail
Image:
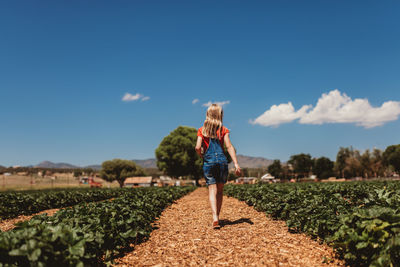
<point>213,124</point>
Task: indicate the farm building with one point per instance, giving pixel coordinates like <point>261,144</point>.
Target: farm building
<point>138,181</point>
<point>166,181</point>
<point>267,178</point>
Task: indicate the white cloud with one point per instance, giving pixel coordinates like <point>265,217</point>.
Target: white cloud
<point>222,103</point>
<point>333,107</point>
<point>129,97</point>
<point>279,114</point>
<point>195,101</point>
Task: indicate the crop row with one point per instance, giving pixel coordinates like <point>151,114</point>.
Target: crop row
<point>14,204</point>
<point>84,234</point>
<point>360,219</point>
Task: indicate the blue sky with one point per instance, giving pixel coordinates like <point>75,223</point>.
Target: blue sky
<point>65,67</point>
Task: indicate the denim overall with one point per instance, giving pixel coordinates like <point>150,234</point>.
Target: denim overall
<point>215,164</point>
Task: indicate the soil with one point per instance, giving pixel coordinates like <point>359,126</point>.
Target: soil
<point>246,238</point>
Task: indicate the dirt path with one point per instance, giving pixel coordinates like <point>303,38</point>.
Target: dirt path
<point>247,238</point>
<point>9,224</point>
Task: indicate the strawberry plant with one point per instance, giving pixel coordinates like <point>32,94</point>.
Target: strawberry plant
<point>14,204</point>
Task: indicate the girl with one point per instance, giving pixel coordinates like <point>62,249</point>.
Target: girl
<point>210,146</point>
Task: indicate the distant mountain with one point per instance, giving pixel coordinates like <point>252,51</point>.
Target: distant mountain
<point>244,161</point>
<point>252,162</point>
<point>52,165</point>
<point>146,163</point>
<point>2,167</point>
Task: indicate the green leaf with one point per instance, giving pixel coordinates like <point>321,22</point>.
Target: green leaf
<point>34,256</point>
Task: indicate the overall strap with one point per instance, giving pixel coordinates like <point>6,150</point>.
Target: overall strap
<point>216,145</point>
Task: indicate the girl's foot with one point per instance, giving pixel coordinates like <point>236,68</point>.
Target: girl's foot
<point>216,225</point>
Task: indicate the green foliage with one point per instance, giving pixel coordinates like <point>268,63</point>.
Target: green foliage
<point>302,164</point>
<point>323,168</point>
<point>77,173</point>
<point>85,235</point>
<point>377,165</point>
<point>370,235</point>
<point>354,167</point>
<point>153,172</point>
<point>88,171</point>
<point>275,169</point>
<point>176,155</point>
<point>366,164</point>
<point>245,172</point>
<point>119,170</point>
<point>350,163</point>
<point>391,157</point>
<point>360,219</point>
<point>232,176</point>
<point>14,204</point>
<point>343,154</point>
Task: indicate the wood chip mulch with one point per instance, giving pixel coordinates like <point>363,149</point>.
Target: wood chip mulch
<point>9,224</point>
<point>247,238</point>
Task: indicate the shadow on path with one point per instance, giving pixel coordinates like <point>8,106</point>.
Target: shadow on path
<point>229,222</point>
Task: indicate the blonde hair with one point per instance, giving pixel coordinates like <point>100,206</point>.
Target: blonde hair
<point>213,122</point>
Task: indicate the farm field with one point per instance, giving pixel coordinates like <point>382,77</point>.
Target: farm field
<point>88,233</point>
<point>23,182</point>
<point>300,224</point>
<point>361,220</point>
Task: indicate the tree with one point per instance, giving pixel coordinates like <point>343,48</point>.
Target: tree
<point>391,157</point>
<point>77,173</point>
<point>353,165</point>
<point>176,155</point>
<point>301,163</point>
<point>286,172</point>
<point>341,157</point>
<point>245,172</point>
<point>275,169</point>
<point>88,171</point>
<point>232,176</point>
<point>119,170</point>
<point>323,168</point>
<point>366,164</point>
<point>377,166</point>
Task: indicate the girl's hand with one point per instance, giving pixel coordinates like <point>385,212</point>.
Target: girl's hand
<point>238,170</point>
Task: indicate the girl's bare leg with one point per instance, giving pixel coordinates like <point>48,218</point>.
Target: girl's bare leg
<point>220,194</point>
<point>212,194</point>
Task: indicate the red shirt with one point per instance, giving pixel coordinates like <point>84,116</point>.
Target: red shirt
<point>206,140</point>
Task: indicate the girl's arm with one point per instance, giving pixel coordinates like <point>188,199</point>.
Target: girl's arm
<point>198,146</point>
<point>232,153</point>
